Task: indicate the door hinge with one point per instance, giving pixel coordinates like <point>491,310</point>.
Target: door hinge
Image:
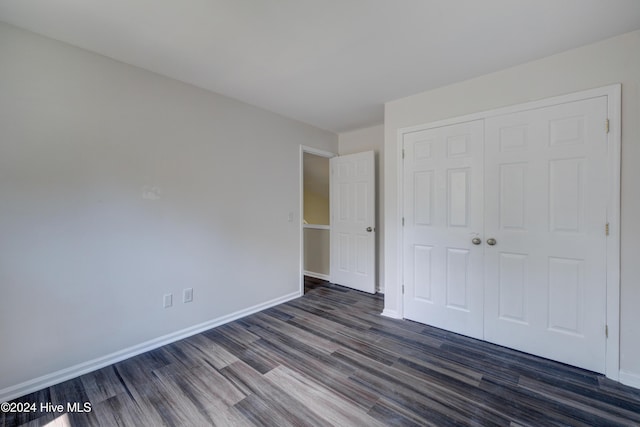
<point>606,229</point>
<point>403,153</point>
<point>606,331</point>
<point>402,289</point>
<point>403,221</point>
<point>606,125</point>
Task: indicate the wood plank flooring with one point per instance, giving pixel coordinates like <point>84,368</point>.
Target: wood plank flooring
<point>329,358</point>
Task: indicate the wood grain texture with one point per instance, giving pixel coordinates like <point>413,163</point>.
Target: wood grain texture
<point>329,358</point>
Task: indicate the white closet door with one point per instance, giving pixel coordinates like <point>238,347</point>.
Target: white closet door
<point>443,206</point>
<point>353,243</point>
<point>545,206</point>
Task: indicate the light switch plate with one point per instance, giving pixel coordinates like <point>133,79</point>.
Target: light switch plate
<point>168,300</point>
<point>187,295</point>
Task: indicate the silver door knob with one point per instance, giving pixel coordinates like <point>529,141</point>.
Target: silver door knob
<point>476,241</point>
<point>369,229</point>
<point>491,241</point>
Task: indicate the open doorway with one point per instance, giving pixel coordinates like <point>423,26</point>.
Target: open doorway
<point>337,236</point>
<point>315,214</point>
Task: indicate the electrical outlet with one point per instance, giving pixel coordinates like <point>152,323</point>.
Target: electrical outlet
<point>168,300</point>
<point>187,295</point>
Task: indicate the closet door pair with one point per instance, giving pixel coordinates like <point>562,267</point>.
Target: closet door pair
<point>504,230</point>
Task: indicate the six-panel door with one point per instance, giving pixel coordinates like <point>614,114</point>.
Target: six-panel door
<point>545,205</point>
<point>442,214</point>
<point>353,221</point>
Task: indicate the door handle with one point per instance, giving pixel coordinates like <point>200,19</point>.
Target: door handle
<point>369,229</point>
<point>491,241</point>
<point>476,241</point>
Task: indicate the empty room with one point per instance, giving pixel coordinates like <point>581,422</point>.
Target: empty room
<point>322,213</point>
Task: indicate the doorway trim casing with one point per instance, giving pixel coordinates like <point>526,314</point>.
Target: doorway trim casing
<point>317,152</point>
<point>614,99</point>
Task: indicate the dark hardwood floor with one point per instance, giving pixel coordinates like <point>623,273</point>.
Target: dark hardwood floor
<point>329,358</point>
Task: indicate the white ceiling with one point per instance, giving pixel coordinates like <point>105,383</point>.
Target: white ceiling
<point>330,63</point>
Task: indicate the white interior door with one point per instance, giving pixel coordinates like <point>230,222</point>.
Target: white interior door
<point>443,212</point>
<point>546,193</point>
<point>353,221</point>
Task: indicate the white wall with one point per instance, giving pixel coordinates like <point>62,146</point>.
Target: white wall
<point>371,139</point>
<point>616,60</point>
<point>317,252</point>
<point>84,259</point>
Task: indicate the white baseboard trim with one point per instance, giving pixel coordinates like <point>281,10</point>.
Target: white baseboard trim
<point>630,379</point>
<point>57,377</point>
<point>317,275</point>
<point>391,313</point>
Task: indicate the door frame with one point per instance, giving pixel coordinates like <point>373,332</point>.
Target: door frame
<point>316,152</point>
<point>614,99</point>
